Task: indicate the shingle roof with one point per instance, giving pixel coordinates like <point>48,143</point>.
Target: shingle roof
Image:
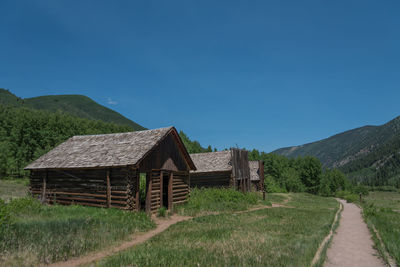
<point>254,170</point>
<point>212,161</point>
<point>104,150</point>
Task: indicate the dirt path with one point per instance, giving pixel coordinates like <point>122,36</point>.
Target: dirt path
<point>162,225</point>
<point>352,244</point>
<point>274,205</point>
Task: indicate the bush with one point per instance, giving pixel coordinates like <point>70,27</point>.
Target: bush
<point>162,212</point>
<point>351,198</point>
<point>361,190</point>
<point>348,196</point>
<point>272,187</point>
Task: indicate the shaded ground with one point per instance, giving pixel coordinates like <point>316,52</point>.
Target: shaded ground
<point>352,244</point>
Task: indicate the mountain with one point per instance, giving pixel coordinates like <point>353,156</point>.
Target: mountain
<point>77,105</point>
<point>368,154</point>
<point>32,126</point>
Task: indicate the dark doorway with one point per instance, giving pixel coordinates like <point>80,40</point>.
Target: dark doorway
<point>142,190</point>
<point>165,189</point>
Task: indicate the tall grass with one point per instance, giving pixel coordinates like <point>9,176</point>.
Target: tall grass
<point>382,210</point>
<point>13,188</point>
<point>266,237</point>
<point>45,234</point>
<point>217,200</point>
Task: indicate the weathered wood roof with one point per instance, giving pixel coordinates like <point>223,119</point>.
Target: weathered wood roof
<point>212,161</point>
<point>254,170</point>
<point>105,150</point>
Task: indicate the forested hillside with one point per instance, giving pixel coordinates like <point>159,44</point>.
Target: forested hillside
<point>381,167</point>
<point>76,105</point>
<point>369,154</point>
<point>27,133</point>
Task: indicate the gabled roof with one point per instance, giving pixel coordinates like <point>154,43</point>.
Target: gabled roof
<point>106,150</point>
<point>254,170</point>
<point>212,161</point>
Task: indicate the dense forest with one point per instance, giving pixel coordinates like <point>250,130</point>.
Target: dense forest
<point>26,134</point>
<point>301,174</point>
<point>380,167</point>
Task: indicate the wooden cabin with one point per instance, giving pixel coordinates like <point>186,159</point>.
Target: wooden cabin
<point>105,171</point>
<point>221,169</point>
<point>257,175</point>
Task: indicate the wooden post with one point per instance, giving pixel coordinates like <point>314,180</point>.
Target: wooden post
<point>161,188</point>
<point>137,197</point>
<point>108,189</point>
<point>170,191</point>
<point>360,198</point>
<point>261,174</point>
<point>148,192</point>
<point>44,187</point>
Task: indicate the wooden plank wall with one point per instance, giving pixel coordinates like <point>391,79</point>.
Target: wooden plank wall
<point>86,187</point>
<point>180,187</point>
<point>240,169</point>
<point>210,179</point>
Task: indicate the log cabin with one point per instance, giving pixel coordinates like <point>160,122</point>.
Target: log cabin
<point>107,171</point>
<point>221,169</point>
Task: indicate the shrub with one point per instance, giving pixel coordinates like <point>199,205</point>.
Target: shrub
<point>162,212</point>
<point>351,198</point>
<point>272,187</point>
<point>348,196</point>
<point>361,190</point>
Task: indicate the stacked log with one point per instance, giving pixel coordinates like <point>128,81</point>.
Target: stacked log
<point>156,194</point>
<point>210,179</point>
<point>180,187</point>
<point>83,187</point>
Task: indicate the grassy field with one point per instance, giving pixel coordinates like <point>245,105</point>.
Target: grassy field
<point>206,201</point>
<point>45,234</point>
<point>382,209</point>
<point>273,237</point>
<point>13,188</point>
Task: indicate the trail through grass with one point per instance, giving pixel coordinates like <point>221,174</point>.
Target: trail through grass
<point>45,234</point>
<point>273,237</point>
<point>213,200</point>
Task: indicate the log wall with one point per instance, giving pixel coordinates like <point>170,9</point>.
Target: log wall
<point>114,187</point>
<point>177,189</point>
<point>180,187</point>
<point>211,179</point>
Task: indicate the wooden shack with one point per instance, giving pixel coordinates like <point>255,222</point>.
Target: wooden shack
<point>105,170</point>
<point>221,169</point>
<point>257,175</point>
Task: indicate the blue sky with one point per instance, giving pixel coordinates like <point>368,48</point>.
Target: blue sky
<point>257,74</point>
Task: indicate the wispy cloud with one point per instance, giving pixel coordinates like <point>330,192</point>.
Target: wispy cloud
<point>111,102</point>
